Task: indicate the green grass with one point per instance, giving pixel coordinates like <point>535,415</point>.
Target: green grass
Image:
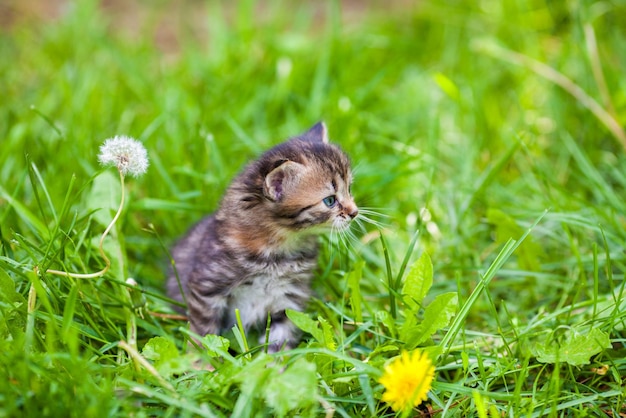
<point>468,131</point>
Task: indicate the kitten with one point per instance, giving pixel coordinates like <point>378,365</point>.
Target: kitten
<point>257,252</point>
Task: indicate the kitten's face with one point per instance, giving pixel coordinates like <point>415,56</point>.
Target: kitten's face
<point>311,188</point>
<point>320,199</point>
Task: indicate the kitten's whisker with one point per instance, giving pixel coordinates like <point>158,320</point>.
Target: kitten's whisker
<point>340,234</point>
<point>368,215</point>
<point>332,240</point>
<point>373,221</point>
<point>370,210</point>
<point>373,213</point>
<point>352,238</point>
<point>340,239</point>
<point>344,239</point>
<point>371,216</point>
<point>359,223</point>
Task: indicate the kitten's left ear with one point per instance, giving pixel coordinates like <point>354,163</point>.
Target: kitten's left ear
<point>282,179</point>
<point>318,133</point>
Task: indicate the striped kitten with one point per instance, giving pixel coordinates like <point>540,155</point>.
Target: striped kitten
<point>258,251</point>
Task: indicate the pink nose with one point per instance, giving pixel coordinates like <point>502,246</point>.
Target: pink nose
<point>353,212</point>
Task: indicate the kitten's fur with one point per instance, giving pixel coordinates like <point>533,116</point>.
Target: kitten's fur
<point>256,253</point>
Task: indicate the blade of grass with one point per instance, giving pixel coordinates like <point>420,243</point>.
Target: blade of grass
<point>37,182</point>
<point>506,252</point>
<point>405,261</point>
<point>580,401</point>
<point>240,334</point>
<point>23,212</point>
<point>47,120</point>
<point>364,381</point>
<point>68,311</point>
<point>390,282</point>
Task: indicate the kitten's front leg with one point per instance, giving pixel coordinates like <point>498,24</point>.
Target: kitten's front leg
<point>294,294</point>
<point>206,312</point>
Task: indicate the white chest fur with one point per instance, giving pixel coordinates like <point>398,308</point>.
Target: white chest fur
<point>267,293</point>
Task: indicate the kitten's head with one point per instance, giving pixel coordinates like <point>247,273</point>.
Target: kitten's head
<point>305,183</point>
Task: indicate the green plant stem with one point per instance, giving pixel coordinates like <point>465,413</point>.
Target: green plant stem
<point>131,328</point>
<point>242,330</point>
<point>267,331</point>
<point>390,281</point>
<point>107,262</point>
<point>131,334</point>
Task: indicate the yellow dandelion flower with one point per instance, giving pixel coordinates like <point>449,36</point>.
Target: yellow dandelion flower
<point>407,380</point>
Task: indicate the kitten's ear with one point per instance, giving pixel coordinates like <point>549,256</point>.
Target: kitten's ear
<point>318,133</point>
<point>282,179</point>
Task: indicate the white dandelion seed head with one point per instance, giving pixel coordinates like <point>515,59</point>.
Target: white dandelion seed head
<point>128,155</point>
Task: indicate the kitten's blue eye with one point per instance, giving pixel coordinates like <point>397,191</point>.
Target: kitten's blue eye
<point>330,201</point>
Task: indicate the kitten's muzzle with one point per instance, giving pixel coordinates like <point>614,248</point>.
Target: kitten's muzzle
<point>351,210</point>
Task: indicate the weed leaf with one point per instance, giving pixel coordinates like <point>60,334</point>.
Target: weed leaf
<point>436,316</point>
<point>294,388</point>
<point>323,335</point>
<point>7,289</point>
<point>282,389</point>
<point>305,323</point>
<point>12,321</point>
<point>167,360</point>
<point>327,334</point>
<point>354,278</point>
<point>215,345</point>
<point>418,282</point>
<point>577,349</point>
<point>386,319</point>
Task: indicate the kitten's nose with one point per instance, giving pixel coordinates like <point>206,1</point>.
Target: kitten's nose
<point>353,212</point>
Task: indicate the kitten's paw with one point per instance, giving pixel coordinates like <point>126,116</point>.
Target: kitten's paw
<point>283,335</point>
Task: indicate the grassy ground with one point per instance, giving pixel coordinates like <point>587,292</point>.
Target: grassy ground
<point>488,135</point>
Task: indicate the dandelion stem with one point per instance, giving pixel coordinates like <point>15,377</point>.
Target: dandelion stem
<point>107,262</point>
<point>113,221</point>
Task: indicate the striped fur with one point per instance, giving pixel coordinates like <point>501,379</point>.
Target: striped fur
<point>257,252</point>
